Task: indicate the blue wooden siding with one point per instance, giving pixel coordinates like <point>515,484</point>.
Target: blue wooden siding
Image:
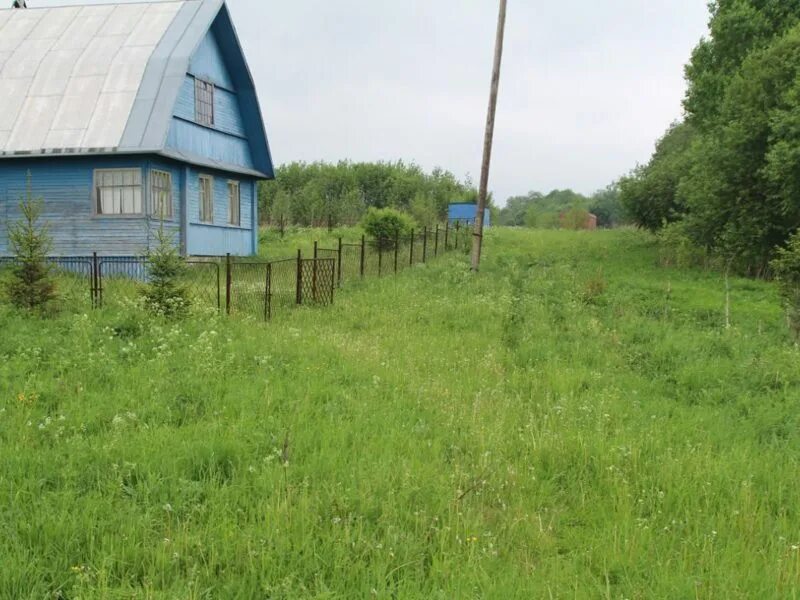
<point>220,237</point>
<point>226,142</point>
<point>208,63</point>
<point>65,185</point>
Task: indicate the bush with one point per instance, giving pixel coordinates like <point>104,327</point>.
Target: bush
<point>787,271</point>
<point>164,294</point>
<point>31,285</point>
<point>385,224</point>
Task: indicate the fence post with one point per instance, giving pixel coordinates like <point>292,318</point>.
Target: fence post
<point>411,255</point>
<point>447,235</point>
<point>95,282</point>
<point>425,245</point>
<point>299,292</point>
<point>363,251</point>
<point>396,248</point>
<point>268,294</point>
<point>339,265</point>
<point>458,227</point>
<point>314,275</point>
<point>228,281</point>
<point>436,242</point>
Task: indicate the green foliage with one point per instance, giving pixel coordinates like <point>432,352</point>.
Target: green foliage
<point>607,206</point>
<point>386,223</point>
<point>731,170</point>
<point>165,294</point>
<point>31,285</point>
<point>786,267</point>
<point>424,211</point>
<point>574,218</point>
<point>334,194</point>
<point>541,211</point>
<point>650,194</point>
<point>431,435</point>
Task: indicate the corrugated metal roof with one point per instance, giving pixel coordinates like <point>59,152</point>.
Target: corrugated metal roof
<point>71,76</point>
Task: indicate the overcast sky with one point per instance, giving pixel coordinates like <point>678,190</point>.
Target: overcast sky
<point>587,85</point>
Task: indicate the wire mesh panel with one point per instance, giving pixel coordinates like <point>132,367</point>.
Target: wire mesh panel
<point>249,289</point>
<point>120,280</point>
<point>317,281</point>
<point>330,253</point>
<point>72,277</point>
<point>283,285</point>
<point>203,279</point>
<point>351,262</point>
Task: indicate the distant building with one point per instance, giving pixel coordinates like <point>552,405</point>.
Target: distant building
<point>127,116</point>
<point>465,213</point>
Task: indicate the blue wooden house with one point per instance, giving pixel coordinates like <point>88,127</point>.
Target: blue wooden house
<point>465,213</point>
<point>127,118</point>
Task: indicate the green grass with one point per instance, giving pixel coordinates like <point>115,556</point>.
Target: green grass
<point>575,422</point>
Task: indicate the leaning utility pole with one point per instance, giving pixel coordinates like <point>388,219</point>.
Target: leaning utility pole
<point>477,236</point>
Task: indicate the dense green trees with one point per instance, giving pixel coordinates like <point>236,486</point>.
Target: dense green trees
<point>545,211</point>
<point>730,173</point>
<point>322,193</point>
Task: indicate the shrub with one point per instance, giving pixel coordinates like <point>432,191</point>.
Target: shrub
<point>385,224</point>
<point>165,294</point>
<point>575,219</point>
<point>31,285</point>
<point>787,272</point>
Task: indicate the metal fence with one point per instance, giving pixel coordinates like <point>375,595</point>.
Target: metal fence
<point>253,287</point>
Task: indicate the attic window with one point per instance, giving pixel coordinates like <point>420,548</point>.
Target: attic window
<point>204,102</point>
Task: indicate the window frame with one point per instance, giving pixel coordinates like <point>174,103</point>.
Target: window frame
<point>155,174</point>
<point>204,102</point>
<point>96,194</point>
<point>233,183</point>
<point>200,198</point>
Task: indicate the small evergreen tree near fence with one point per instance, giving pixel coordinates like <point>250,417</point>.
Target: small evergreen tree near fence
<point>165,294</point>
<point>31,285</point>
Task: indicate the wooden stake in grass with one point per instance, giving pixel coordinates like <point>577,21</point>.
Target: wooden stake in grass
<point>483,190</point>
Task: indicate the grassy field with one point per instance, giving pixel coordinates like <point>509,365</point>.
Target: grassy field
<point>575,422</point>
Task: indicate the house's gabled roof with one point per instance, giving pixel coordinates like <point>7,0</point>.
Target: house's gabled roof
<point>105,78</point>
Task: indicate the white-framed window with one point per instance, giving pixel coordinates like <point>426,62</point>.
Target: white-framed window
<point>161,194</point>
<point>206,199</point>
<point>204,102</point>
<point>234,204</point>
<point>118,191</point>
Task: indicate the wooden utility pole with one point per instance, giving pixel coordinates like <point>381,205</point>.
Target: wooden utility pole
<point>483,190</point>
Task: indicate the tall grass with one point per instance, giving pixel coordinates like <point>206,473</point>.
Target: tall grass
<point>575,421</point>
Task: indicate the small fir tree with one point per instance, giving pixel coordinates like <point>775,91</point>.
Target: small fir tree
<point>164,294</point>
<point>787,271</point>
<point>31,284</point>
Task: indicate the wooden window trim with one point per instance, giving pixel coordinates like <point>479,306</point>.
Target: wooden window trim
<point>204,102</point>
<point>154,176</point>
<point>96,213</point>
<point>232,183</point>
<point>201,178</point>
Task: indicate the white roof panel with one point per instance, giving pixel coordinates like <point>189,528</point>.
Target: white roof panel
<point>69,76</point>
<point>53,24</point>
<point>12,95</point>
<point>109,120</point>
<point>33,123</point>
<point>84,27</point>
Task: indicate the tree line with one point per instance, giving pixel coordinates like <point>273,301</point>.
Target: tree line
<point>726,178</point>
<point>563,208</point>
<point>326,194</point>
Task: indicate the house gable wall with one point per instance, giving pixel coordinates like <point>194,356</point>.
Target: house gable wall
<point>225,143</point>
